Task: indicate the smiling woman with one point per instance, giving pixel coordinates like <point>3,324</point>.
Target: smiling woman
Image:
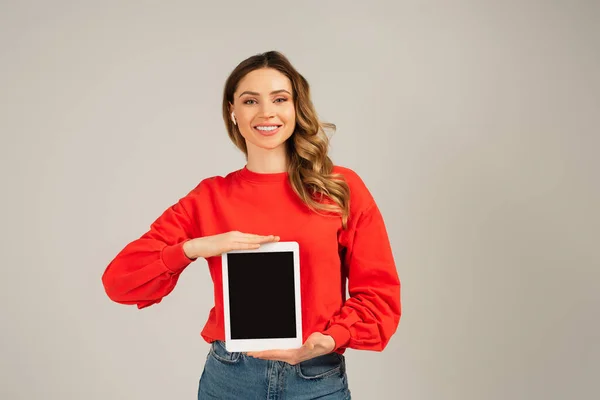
<point>264,91</point>
<point>305,198</point>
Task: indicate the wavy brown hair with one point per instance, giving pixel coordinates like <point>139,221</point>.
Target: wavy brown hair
<point>310,169</point>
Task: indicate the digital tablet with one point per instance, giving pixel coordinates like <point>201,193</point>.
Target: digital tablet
<point>261,298</point>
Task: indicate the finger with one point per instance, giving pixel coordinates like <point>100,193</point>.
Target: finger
<point>254,236</point>
<point>258,239</point>
<point>245,246</point>
<point>237,235</point>
<point>273,354</point>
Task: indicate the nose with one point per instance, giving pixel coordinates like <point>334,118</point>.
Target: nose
<point>267,110</point>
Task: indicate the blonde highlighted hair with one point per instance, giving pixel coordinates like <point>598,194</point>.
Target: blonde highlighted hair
<point>310,169</point>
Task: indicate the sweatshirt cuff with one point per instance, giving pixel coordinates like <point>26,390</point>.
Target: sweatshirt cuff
<point>340,335</point>
<point>174,257</point>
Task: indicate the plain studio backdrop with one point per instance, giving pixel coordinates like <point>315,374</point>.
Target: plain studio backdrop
<point>475,124</point>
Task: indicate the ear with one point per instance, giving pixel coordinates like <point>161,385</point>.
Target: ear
<point>231,114</point>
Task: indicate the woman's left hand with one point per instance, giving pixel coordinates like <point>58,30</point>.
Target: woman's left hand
<point>316,345</point>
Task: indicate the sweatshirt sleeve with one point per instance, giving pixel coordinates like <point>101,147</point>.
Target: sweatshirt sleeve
<point>371,315</point>
<point>147,269</point>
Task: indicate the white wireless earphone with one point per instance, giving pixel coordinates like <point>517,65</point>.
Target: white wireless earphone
<point>233,118</point>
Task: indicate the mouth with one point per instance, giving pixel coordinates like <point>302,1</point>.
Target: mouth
<point>267,130</point>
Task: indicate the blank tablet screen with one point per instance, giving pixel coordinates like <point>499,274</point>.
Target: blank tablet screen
<point>261,295</point>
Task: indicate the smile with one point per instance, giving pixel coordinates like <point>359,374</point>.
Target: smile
<point>267,130</point>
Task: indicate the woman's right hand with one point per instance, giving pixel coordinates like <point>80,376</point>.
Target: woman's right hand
<point>210,246</point>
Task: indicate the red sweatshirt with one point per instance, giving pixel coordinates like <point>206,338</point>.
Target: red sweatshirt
<point>148,268</point>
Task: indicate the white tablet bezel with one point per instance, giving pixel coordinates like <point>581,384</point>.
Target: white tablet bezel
<point>243,345</point>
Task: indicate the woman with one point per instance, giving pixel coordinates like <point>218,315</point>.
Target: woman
<point>288,190</point>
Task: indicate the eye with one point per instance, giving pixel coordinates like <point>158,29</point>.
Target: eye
<point>249,100</point>
<point>280,100</point>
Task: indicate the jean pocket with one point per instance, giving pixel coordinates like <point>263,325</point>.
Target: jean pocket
<point>321,367</point>
<point>218,351</point>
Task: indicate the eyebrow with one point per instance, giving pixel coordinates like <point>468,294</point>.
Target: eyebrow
<point>258,94</point>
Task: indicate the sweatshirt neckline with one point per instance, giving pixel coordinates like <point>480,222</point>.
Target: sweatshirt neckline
<point>260,177</point>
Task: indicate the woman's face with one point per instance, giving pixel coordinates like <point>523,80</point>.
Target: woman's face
<point>264,108</point>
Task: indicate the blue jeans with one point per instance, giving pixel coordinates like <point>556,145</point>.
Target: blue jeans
<point>235,376</point>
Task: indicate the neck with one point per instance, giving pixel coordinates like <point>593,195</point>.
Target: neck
<point>267,161</point>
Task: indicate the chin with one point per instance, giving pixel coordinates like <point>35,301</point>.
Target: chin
<point>269,142</point>
<point>270,146</point>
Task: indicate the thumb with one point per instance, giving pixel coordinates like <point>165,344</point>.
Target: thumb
<point>310,345</point>
<point>313,341</point>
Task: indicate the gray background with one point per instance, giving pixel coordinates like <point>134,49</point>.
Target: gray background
<point>474,124</point>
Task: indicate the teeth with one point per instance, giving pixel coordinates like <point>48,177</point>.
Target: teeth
<point>266,128</point>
